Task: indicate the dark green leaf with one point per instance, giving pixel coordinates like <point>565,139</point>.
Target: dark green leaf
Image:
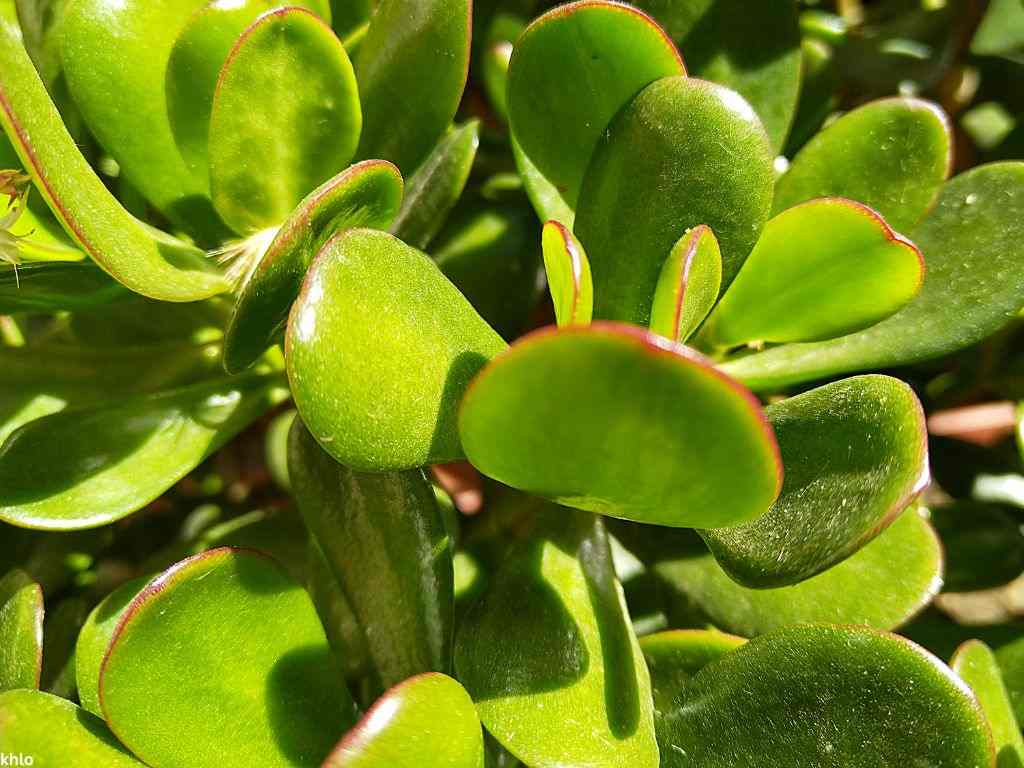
<point>56,286</point>
<point>983,543</point>
<point>676,655</point>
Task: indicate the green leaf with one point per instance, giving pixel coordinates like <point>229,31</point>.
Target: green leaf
<point>494,73</point>
<point>568,272</point>
<point>826,695</point>
<point>117,457</point>
<point>752,48</point>
<point>95,637</point>
<point>380,348</point>
<point>688,285</point>
<point>821,269</point>
<point>891,155</point>
<point>21,632</point>
<point>55,732</point>
<point>617,420</point>
<point>37,234</point>
<point>1001,32</point>
<point>367,194</point>
<point>676,655</point>
<point>666,164</point>
<point>194,66</point>
<point>56,286</point>
<point>401,730</point>
<point>974,286</point>
<point>571,71</point>
<point>225,648</point>
<point>547,200</point>
<point>412,67</point>
<point>983,543</point>
<point>285,118</point>
<point>855,454</point>
<point>882,585</point>
<point>392,521</point>
<point>115,55</point>
<point>60,630</point>
<point>436,186</point>
<point>550,658</point>
<point>156,266</point>
<point>977,666</point>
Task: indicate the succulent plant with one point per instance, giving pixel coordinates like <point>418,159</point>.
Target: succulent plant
<point>305,472</point>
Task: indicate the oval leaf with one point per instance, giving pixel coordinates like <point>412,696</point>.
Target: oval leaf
<point>571,71</point>
<point>983,543</point>
<point>568,272</point>
<point>820,270</point>
<point>290,70</point>
<point>21,632</point>
<point>856,455</point>
<point>572,688</point>
<point>366,194</point>
<point>667,163</point>
<point>380,347</point>
<point>675,656</point>
<point>401,730</point>
<point>976,665</point>
<point>688,285</point>
<point>226,648</point>
<point>616,420</point>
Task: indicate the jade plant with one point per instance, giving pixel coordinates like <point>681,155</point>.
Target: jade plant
<point>298,466</point>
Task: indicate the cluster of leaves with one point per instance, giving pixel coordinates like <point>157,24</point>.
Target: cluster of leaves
<point>306,471</point>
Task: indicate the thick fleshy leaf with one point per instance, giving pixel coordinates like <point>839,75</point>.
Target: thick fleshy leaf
<point>380,348</point>
<point>753,48</point>
<point>676,655</point>
<point>826,695</point>
<point>855,454</point>
<point>821,269</point>
<point>226,648</point>
<point>436,186</point>
<point>426,720</point>
<point>54,732</point>
<point>620,421</point>
<point>285,118</point>
<point>667,163</point>
<point>688,285</point>
<point>891,155</point>
<point>977,666</point>
<point>550,658</point>
<point>194,66</point>
<point>21,632</point>
<point>118,457</point>
<point>412,67</point>
<point>95,637</point>
<point>148,263</point>
<point>57,286</point>
<point>882,585</point>
<point>974,285</point>
<point>568,272</point>
<point>571,71</point>
<point>547,200</point>
<point>404,602</point>
<point>39,234</point>
<point>367,194</point>
<point>983,543</point>
<point>60,630</point>
<point>115,55</point>
<point>1011,661</point>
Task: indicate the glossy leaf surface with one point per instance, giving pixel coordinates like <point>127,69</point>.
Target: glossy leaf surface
<point>405,601</point>
<point>117,458</point>
<point>290,70</point>
<point>56,286</point>
<point>891,155</point>
<point>367,194</point>
<point>55,732</point>
<point>676,655</point>
<point>412,67</point>
<point>855,456</point>
<point>619,421</point>
<point>436,186</point>
<point>977,666</point>
<point>974,285</point>
<point>821,269</point>
<point>568,273</point>
<point>426,720</point>
<point>380,348</point>
<point>226,648</point>
<point>571,71</point>
<point>667,163</point>
<point>155,266</point>
<point>21,631</point>
<point>826,695</point>
<point>550,658</point>
<point>688,285</point>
